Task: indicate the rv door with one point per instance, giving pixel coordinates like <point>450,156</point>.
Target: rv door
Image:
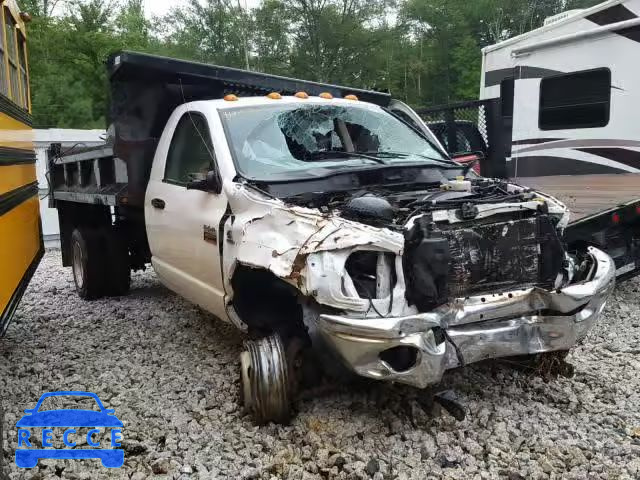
<point>21,245</point>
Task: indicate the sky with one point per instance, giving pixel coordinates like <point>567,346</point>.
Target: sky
<point>160,7</point>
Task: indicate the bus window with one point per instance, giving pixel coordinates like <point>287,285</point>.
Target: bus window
<point>11,53</point>
<point>4,85</point>
<point>24,78</point>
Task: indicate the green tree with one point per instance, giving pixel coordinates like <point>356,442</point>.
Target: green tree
<point>336,40</point>
<point>67,56</point>
<point>271,45</point>
<point>422,51</point>
<point>214,31</point>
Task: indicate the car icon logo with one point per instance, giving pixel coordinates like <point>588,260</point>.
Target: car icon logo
<point>71,420</point>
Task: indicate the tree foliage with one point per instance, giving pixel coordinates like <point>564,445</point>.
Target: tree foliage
<point>422,51</point>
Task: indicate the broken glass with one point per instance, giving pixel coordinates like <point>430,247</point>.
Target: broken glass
<point>271,142</point>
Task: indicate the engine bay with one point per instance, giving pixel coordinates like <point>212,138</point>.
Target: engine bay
<point>462,237</point>
<point>393,206</point>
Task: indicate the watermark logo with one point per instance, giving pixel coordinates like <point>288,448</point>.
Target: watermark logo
<point>59,430</point>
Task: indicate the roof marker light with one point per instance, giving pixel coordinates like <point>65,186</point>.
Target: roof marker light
<point>274,96</point>
<point>351,97</point>
<point>230,98</point>
<point>615,218</point>
<point>326,95</point>
<point>303,95</point>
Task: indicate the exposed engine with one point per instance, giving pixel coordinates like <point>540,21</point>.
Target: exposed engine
<point>465,237</point>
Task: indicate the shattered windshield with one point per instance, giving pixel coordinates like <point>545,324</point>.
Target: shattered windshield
<point>293,141</point>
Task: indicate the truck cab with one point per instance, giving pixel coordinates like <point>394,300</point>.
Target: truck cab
<point>326,222</point>
<point>209,148</point>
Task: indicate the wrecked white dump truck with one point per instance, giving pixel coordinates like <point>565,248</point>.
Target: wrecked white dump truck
<point>325,221</point>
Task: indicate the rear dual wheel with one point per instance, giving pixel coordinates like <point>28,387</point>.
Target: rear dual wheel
<point>87,263</point>
<point>100,262</point>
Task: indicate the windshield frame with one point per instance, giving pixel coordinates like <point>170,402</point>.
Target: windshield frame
<point>353,169</point>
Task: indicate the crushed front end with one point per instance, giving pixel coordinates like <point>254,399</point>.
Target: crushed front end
<point>481,273</point>
<point>417,349</point>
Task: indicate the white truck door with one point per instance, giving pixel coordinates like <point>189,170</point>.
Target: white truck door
<point>183,224</point>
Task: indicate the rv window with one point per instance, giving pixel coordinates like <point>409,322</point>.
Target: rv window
<point>506,96</point>
<point>575,100</point>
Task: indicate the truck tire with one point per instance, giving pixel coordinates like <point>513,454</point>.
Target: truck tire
<point>265,390</point>
<point>88,263</point>
<point>118,268</point>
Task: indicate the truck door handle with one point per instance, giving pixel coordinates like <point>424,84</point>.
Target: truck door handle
<point>158,203</point>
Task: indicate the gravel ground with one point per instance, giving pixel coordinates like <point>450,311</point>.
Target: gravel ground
<point>170,372</point>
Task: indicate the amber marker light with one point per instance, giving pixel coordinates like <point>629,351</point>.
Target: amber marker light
<point>230,98</point>
<point>326,95</point>
<point>303,95</point>
<point>351,97</point>
<point>274,96</point>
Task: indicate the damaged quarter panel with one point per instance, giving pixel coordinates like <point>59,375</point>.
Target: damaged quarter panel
<point>306,248</point>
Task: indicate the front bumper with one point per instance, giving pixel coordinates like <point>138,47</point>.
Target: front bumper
<point>514,323</point>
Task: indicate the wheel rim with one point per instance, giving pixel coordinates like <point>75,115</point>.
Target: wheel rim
<point>265,381</point>
<point>245,380</point>
<point>78,273</point>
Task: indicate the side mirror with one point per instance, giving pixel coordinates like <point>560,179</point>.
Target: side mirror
<point>211,183</point>
<point>109,411</point>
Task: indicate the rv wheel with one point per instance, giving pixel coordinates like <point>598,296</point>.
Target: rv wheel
<point>265,390</point>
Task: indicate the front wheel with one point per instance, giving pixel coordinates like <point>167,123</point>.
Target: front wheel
<point>265,387</point>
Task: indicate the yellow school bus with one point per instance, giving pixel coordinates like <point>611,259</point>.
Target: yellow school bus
<point>21,245</point>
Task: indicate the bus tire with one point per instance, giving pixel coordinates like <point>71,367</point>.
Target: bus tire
<point>118,269</point>
<point>87,263</point>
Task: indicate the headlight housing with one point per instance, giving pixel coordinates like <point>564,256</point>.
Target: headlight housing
<point>372,274</point>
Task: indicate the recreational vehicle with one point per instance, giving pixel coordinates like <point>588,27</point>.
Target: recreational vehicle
<point>558,112</point>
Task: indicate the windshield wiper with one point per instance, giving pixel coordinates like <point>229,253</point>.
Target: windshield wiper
<point>392,154</point>
<point>345,155</point>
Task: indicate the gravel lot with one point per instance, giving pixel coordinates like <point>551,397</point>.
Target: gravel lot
<point>170,372</point>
